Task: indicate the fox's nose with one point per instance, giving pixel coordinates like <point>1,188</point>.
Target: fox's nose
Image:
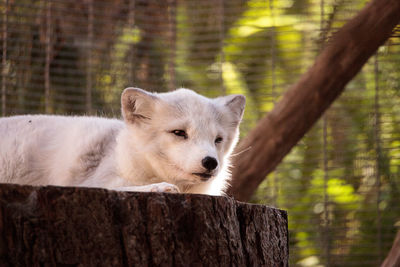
<point>209,163</point>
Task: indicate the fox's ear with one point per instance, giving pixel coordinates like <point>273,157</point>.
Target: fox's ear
<point>137,105</point>
<point>235,104</point>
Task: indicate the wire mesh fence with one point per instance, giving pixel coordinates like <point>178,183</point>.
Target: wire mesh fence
<point>340,184</point>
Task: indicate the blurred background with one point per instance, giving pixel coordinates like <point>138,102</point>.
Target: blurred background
<point>340,184</point>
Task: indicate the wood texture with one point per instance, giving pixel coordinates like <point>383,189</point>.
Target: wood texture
<point>305,102</point>
<point>55,226</point>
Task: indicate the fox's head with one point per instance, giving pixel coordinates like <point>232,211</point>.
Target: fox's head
<point>184,137</point>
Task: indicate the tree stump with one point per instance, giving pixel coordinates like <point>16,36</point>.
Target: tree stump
<point>66,226</point>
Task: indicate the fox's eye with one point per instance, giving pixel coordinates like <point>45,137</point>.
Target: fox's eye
<point>218,140</point>
<point>180,133</point>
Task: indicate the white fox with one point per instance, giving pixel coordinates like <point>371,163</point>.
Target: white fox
<point>167,142</point>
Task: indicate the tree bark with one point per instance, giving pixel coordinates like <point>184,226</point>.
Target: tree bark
<point>57,226</point>
<point>393,258</point>
<point>305,102</point>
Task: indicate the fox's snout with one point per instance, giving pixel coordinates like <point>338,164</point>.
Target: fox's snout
<point>209,163</point>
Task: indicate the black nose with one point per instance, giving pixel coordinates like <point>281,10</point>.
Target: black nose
<point>209,163</point>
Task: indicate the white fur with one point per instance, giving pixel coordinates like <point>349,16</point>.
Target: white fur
<point>139,153</point>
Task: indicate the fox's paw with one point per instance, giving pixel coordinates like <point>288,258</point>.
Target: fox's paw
<point>164,188</point>
<point>159,187</point>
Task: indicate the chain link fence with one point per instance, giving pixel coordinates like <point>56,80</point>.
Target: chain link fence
<point>340,184</point>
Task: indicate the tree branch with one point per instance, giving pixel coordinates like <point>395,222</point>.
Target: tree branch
<point>304,103</point>
<point>393,258</point>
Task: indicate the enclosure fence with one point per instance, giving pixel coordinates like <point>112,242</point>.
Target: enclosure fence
<point>340,184</point>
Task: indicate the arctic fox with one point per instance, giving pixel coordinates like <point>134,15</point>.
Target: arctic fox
<point>167,142</point>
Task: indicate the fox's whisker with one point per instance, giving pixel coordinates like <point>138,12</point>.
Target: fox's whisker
<point>241,152</point>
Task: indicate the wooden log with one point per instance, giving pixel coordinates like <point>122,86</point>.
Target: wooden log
<point>63,226</point>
